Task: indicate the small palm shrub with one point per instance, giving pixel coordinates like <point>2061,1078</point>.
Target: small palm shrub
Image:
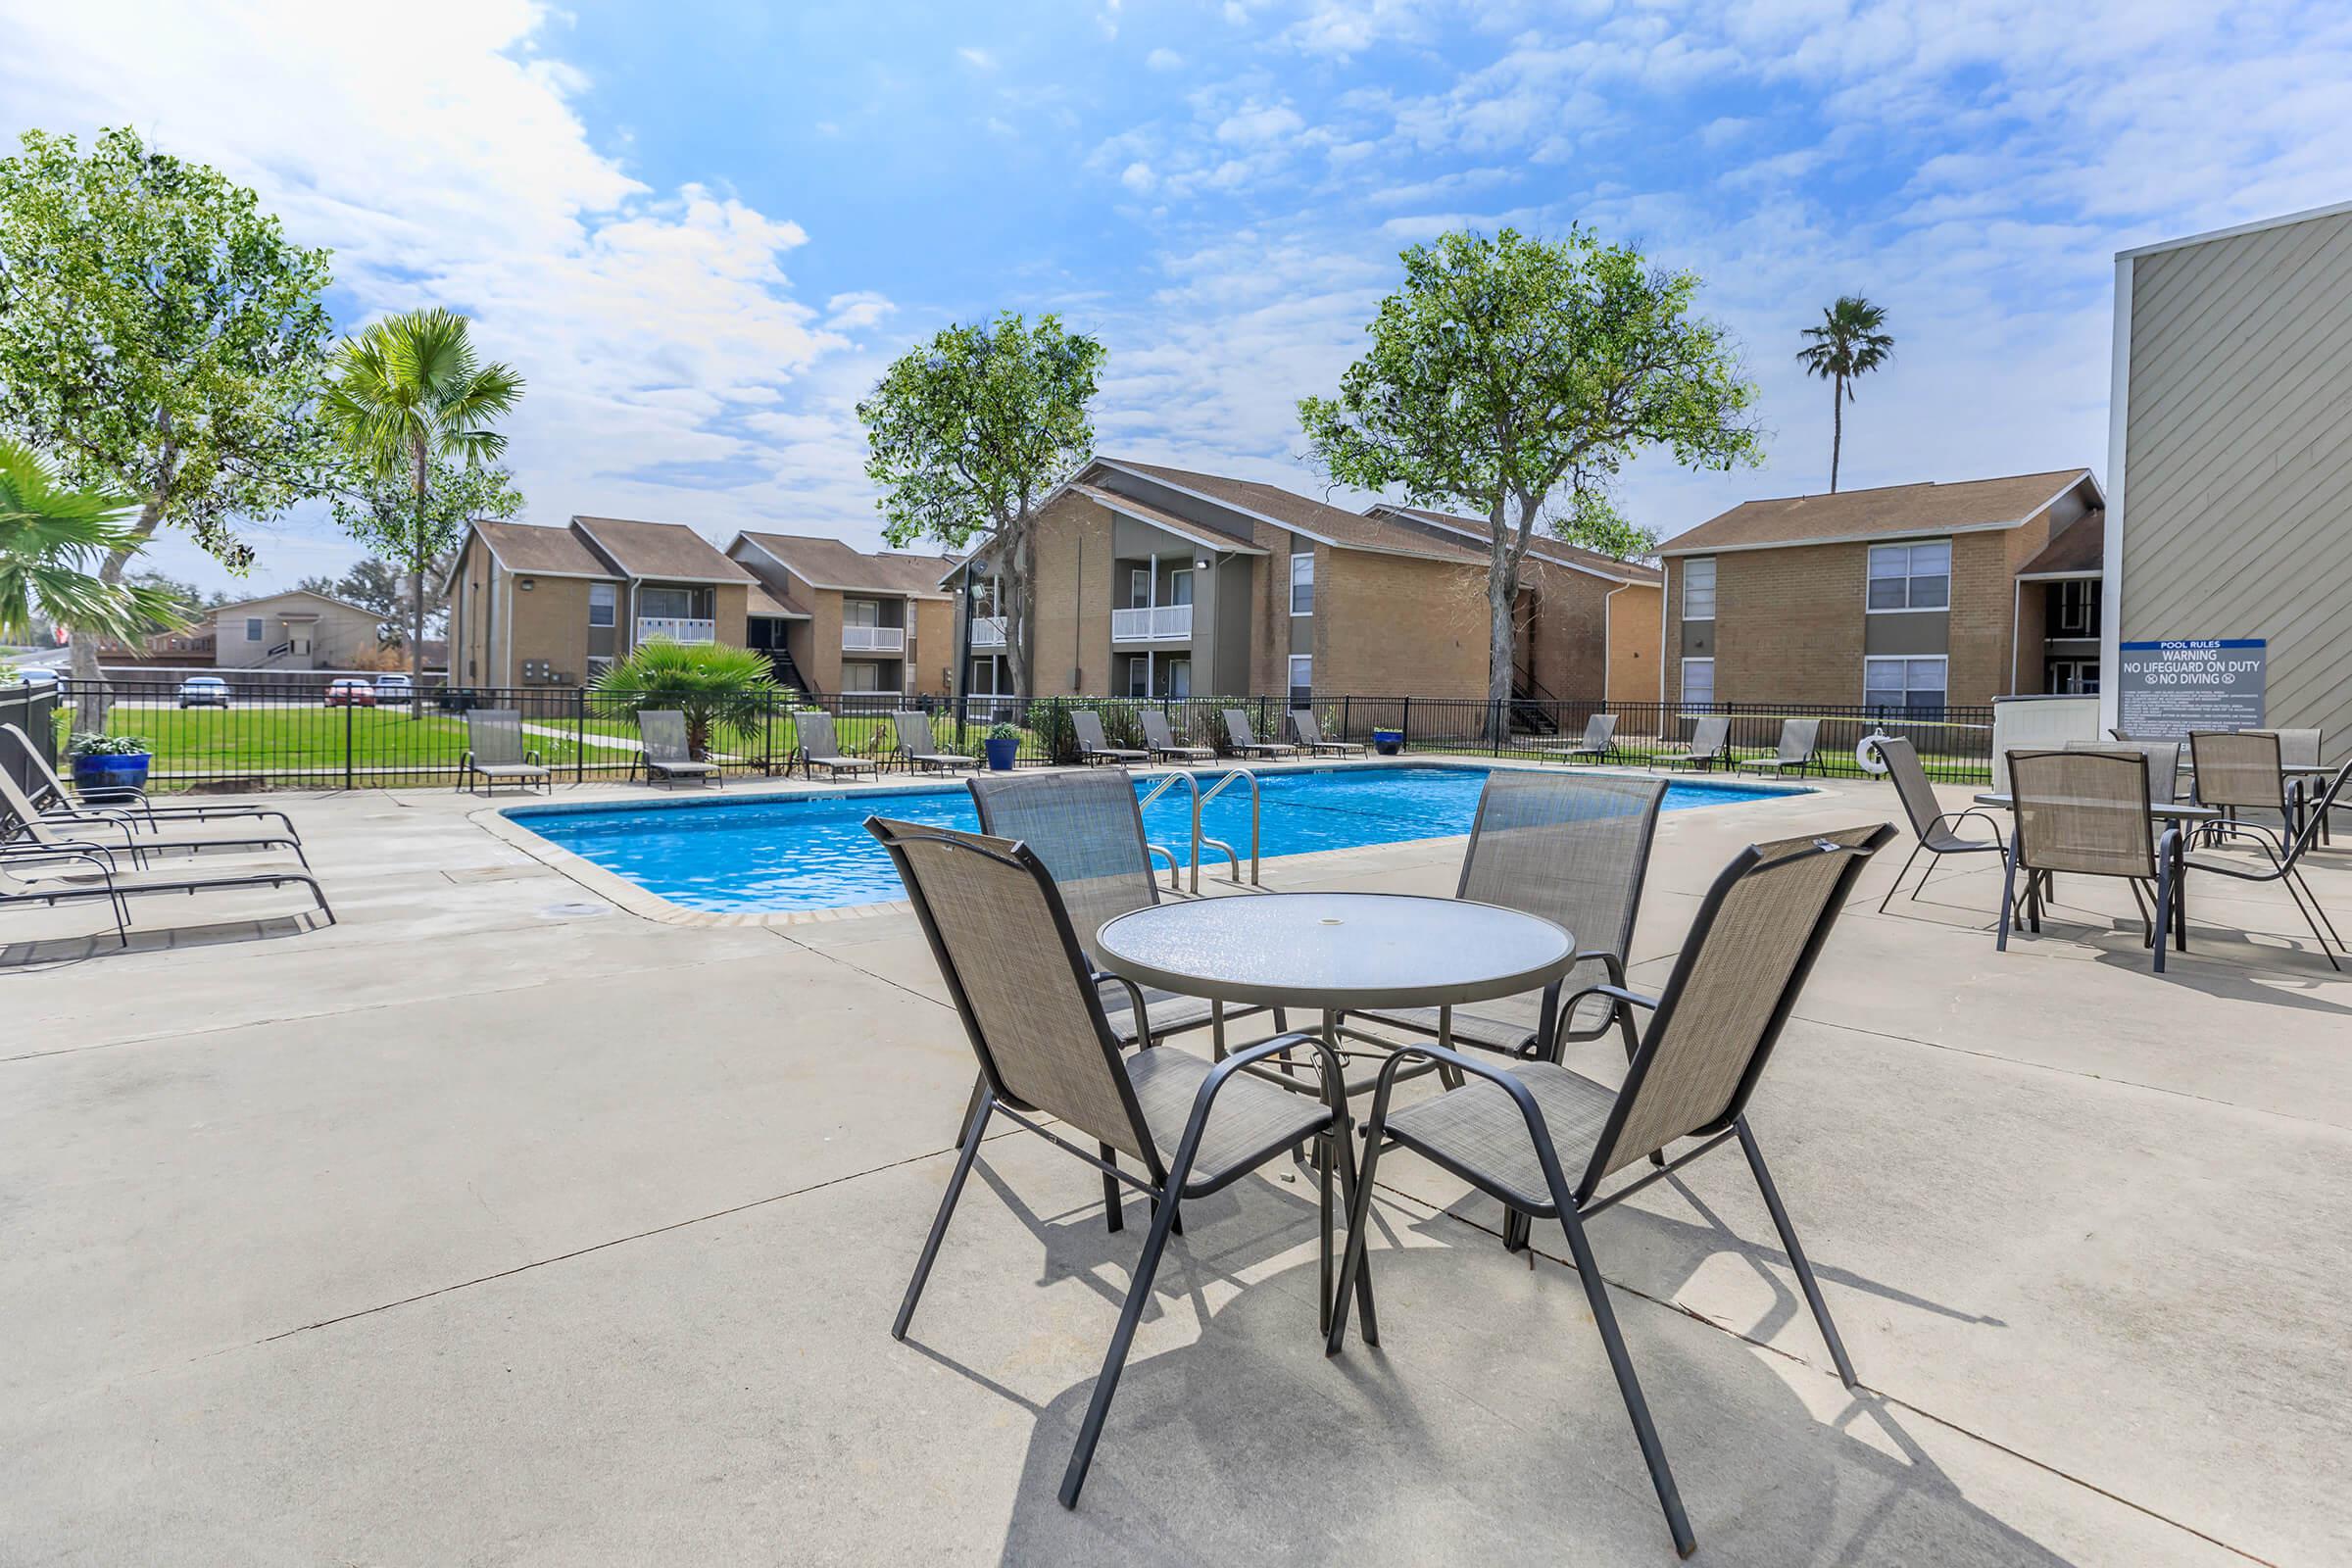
<point>715,686</point>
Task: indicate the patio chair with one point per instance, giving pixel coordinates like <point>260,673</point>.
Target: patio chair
<point>1029,1005</point>
<point>2237,772</point>
<point>662,731</point>
<point>495,753</point>
<point>50,793</point>
<point>1239,737</point>
<point>24,825</point>
<point>1094,746</point>
<point>916,748</point>
<point>1310,732</point>
<point>2231,765</point>
<point>2086,814</point>
<point>1165,747</point>
<point>2164,764</point>
<point>2302,748</point>
<point>62,872</point>
<point>1934,827</point>
<point>818,746</point>
<point>1710,744</point>
<point>1800,750</point>
<point>1541,1138</point>
<point>1600,743</point>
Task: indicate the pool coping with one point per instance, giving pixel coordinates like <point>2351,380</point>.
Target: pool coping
<point>507,823</point>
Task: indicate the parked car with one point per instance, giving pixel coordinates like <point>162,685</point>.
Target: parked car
<point>32,675</point>
<point>393,689</point>
<point>204,691</point>
<point>350,694</point>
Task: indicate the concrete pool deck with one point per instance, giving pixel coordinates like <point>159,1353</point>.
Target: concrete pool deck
<point>497,1224</point>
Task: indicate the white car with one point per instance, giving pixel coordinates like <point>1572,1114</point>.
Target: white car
<point>393,689</point>
<point>204,691</point>
<point>33,676</point>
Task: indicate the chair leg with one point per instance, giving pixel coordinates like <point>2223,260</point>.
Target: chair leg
<point>2001,940</point>
<point>971,1105</point>
<point>1352,1264</point>
<point>1114,1212</point>
<point>2165,880</point>
<point>1114,1360</point>
<point>939,1221</point>
<point>1796,1253</point>
<point>1646,1431</point>
<point>1899,875</point>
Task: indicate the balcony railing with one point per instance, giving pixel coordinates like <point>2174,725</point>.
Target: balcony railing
<point>1152,624</point>
<point>988,631</point>
<point>872,639</point>
<point>677,628</point>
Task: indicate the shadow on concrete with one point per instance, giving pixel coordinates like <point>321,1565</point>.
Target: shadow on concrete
<point>53,951</point>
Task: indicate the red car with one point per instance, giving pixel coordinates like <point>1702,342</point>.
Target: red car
<point>350,694</point>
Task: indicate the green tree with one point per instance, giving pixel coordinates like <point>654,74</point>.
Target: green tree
<point>160,339</point>
<point>53,539</point>
<point>968,433</point>
<point>381,513</point>
<point>1507,369</point>
<point>714,686</point>
<point>413,406</point>
<point>1846,345</point>
<point>1609,533</point>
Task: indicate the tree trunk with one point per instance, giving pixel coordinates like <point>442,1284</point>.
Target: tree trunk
<point>1503,592</point>
<point>1836,426</point>
<point>1018,623</point>
<point>93,699</point>
<point>416,543</point>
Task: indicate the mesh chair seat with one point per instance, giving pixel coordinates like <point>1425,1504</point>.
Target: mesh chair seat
<point>1169,1012</point>
<point>1253,1118</point>
<point>1478,1132</point>
<point>1509,1036</point>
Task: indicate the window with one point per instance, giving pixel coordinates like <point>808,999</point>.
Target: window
<point>862,677</point>
<point>1914,685</point>
<point>1698,680</point>
<point>1180,587</point>
<point>598,664</point>
<point>861,613</point>
<point>2072,677</point>
<point>253,628</point>
<point>1138,678</point>
<point>1302,679</point>
<point>664,604</point>
<point>1698,590</point>
<point>1911,576</point>
<point>603,603</point>
<point>1139,587</point>
<point>2076,611</point>
<point>1180,677</point>
<point>1303,586</point>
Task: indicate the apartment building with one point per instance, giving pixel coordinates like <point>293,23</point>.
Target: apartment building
<point>1164,582</point>
<point>537,606</point>
<point>1907,597</point>
<point>836,619</point>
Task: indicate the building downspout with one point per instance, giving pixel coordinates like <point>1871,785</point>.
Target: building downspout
<point>1609,641</point>
<point>2017,612</point>
<point>1665,603</point>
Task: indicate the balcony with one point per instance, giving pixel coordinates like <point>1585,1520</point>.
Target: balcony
<point>677,628</point>
<point>872,639</point>
<point>1157,623</point>
<point>988,631</point>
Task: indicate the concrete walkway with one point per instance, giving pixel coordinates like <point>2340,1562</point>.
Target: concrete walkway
<point>495,1225</point>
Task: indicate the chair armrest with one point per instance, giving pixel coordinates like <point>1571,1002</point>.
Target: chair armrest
<point>1335,1093</point>
<point>1134,1000</point>
<point>1546,1154</point>
<point>533,757</point>
<point>466,762</point>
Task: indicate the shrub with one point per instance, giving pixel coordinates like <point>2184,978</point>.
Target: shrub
<point>714,686</point>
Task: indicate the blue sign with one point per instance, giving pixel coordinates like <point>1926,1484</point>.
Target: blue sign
<point>2167,688</point>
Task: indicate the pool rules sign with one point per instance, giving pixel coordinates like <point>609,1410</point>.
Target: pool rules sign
<point>2166,689</point>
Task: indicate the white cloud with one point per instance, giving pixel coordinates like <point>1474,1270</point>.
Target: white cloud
<point>1137,176</point>
<point>863,308</point>
<point>977,58</point>
<point>1164,60</point>
<point>1257,122</point>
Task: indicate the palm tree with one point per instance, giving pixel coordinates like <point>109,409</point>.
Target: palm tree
<point>1846,344</point>
<point>405,392</point>
<point>53,539</point>
<point>714,686</point>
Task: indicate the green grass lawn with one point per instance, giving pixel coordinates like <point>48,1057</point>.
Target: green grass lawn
<point>264,740</point>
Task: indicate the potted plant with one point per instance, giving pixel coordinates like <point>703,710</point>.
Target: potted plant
<point>103,762</point>
<point>1002,744</point>
<point>1388,742</point>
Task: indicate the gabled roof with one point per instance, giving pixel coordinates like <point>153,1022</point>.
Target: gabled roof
<point>2077,549</point>
<point>670,551</point>
<point>1160,517</point>
<point>822,562</point>
<point>535,550</point>
<point>1891,512</point>
<point>1556,550</point>
<point>772,604</point>
<point>293,592</point>
<point>1296,514</point>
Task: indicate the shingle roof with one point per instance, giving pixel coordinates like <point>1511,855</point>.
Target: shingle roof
<point>526,547</point>
<point>1556,550</point>
<point>1260,541</point>
<point>2080,547</point>
<point>827,562</point>
<point>1318,519</point>
<point>1891,511</point>
<point>765,601</point>
<point>668,550</point>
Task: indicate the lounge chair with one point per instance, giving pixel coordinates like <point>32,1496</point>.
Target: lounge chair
<point>1094,747</point>
<point>59,873</point>
<point>1935,826</point>
<point>1010,959</point>
<point>1309,731</point>
<point>1239,737</point>
<point>1599,742</point>
<point>666,756</point>
<point>1800,750</point>
<point>2086,814</point>
<point>1165,747</point>
<point>1710,744</point>
<point>916,748</point>
<point>1542,1139</point>
<point>50,793</point>
<point>28,826</point>
<point>495,753</point>
<point>818,747</point>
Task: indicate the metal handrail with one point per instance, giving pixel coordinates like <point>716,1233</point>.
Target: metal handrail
<point>1151,849</point>
<point>1256,807</point>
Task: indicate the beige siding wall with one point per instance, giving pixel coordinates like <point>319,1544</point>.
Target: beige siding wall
<point>1069,638</point>
<point>2238,458</point>
<point>931,655</point>
<point>1392,626</point>
<point>548,620</point>
<point>1633,638</point>
<point>1564,643</point>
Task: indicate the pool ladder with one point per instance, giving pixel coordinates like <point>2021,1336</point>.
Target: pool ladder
<point>1200,840</point>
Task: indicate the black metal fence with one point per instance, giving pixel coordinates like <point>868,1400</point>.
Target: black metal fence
<point>265,738</point>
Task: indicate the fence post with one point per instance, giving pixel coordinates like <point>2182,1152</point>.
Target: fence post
<point>579,735</point>
<point>1404,727</point>
<point>349,710</point>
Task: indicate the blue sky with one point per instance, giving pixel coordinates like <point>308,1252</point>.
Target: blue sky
<point>702,229</point>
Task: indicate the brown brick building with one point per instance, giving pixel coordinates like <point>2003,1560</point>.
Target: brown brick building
<point>1909,597</point>
<point>833,619</point>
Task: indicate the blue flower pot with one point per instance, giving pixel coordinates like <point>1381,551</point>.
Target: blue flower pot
<point>93,775</point>
<point>1388,742</point>
<point>1000,754</point>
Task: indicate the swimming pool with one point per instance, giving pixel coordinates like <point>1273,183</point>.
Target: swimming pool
<point>811,852</point>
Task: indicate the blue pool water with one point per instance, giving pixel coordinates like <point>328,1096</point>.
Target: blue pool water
<point>812,853</point>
